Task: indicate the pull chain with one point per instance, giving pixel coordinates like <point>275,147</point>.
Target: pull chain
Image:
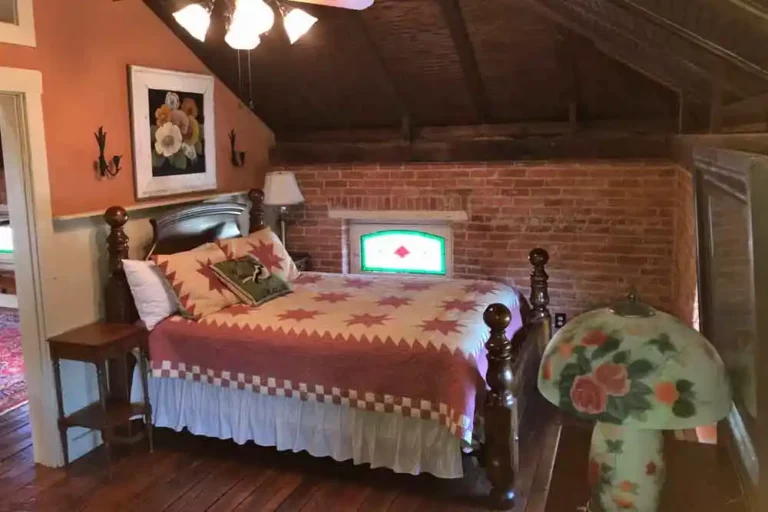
<point>250,82</point>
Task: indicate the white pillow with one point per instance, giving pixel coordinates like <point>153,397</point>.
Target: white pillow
<point>154,297</point>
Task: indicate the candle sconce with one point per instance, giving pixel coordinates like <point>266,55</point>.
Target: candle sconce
<point>238,157</point>
<point>106,168</point>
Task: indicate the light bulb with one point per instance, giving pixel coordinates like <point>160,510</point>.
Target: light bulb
<point>195,18</point>
<point>257,15</point>
<point>297,23</point>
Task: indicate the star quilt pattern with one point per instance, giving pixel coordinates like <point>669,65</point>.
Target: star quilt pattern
<point>198,288</point>
<point>404,345</point>
<point>265,246</point>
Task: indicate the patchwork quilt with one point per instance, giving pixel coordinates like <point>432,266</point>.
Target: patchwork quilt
<point>403,345</point>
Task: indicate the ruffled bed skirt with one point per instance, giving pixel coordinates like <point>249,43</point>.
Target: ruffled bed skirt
<point>405,445</point>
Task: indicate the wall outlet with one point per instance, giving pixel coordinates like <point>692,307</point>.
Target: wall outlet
<point>560,319</point>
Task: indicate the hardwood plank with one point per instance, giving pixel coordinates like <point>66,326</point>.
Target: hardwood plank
<point>339,497</point>
<point>272,492</point>
<point>253,478</point>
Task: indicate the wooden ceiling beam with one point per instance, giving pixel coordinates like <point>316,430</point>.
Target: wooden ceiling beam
<point>751,110</point>
<point>530,148</point>
<point>750,7</point>
<point>638,10</point>
<point>630,52</point>
<point>406,126</point>
<point>457,26</point>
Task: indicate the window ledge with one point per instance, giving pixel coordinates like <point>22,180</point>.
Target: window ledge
<point>400,215</point>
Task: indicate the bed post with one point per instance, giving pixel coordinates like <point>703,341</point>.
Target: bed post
<point>119,304</point>
<point>540,295</point>
<point>256,215</point>
<point>500,447</point>
<point>502,411</point>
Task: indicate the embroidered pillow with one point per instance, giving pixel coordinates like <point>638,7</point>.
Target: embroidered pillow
<point>199,289</point>
<point>265,246</point>
<point>250,280</point>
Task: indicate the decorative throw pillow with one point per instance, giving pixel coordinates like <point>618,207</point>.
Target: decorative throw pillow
<point>265,246</point>
<point>154,298</point>
<point>199,289</point>
<point>250,280</point>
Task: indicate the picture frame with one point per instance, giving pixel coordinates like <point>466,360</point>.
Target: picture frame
<point>172,122</point>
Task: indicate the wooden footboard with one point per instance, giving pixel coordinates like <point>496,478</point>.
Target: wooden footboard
<point>512,378</point>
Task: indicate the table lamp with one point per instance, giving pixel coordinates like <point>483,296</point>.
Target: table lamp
<point>281,189</point>
<point>636,371</point>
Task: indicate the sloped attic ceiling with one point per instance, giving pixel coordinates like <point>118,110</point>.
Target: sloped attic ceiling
<point>423,63</point>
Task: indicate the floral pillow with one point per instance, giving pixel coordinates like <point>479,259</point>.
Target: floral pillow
<point>199,289</point>
<point>266,247</point>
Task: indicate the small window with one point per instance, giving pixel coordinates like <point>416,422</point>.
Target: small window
<point>402,249</point>
<point>17,25</point>
<point>6,240</point>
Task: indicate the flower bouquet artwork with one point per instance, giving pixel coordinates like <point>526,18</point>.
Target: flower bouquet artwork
<point>176,133</point>
<point>174,149</point>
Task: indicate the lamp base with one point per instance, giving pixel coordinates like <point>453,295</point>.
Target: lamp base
<point>626,469</point>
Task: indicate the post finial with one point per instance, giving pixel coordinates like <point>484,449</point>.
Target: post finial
<point>256,216</point>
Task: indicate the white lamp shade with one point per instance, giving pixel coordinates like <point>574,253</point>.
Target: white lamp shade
<point>256,15</point>
<point>241,37</point>
<point>195,18</point>
<point>297,23</point>
<point>281,189</point>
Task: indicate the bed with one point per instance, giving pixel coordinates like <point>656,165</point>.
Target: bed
<point>391,371</point>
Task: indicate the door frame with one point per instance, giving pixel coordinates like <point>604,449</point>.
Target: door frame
<point>23,139</point>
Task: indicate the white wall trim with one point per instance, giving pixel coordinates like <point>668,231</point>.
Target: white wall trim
<point>27,184</point>
<point>388,216</point>
<point>23,31</point>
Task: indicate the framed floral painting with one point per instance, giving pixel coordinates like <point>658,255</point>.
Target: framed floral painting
<point>173,136</point>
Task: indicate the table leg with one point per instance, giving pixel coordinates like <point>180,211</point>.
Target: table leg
<point>143,358</point>
<point>106,435</point>
<point>60,405</point>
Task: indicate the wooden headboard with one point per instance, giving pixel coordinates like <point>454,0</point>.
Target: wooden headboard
<point>176,231</point>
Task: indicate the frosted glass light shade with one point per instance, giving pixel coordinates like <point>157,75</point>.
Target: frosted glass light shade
<point>650,372</point>
<point>195,19</point>
<point>241,37</point>
<point>297,23</point>
<point>281,189</point>
<point>253,15</point>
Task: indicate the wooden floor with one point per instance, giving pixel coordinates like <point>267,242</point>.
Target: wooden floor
<point>196,474</point>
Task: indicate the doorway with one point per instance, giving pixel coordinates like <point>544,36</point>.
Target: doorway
<point>13,384</point>
<point>26,181</point>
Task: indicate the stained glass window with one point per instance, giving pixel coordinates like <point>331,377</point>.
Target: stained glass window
<point>403,251</point>
<point>6,240</point>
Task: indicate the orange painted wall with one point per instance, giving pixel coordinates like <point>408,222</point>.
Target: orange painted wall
<point>83,50</point>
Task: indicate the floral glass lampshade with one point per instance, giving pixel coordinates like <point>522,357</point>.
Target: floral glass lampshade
<point>636,371</point>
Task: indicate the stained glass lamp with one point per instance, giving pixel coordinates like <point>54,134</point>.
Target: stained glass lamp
<point>636,371</point>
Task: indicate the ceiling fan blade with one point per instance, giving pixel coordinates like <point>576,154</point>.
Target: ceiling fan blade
<point>357,5</point>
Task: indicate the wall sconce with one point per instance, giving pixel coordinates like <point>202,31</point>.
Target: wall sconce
<point>238,157</point>
<point>104,167</point>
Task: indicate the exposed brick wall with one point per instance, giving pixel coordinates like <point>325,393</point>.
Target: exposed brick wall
<point>684,272</point>
<point>607,225</point>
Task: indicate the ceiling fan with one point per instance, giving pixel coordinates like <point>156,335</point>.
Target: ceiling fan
<point>249,19</point>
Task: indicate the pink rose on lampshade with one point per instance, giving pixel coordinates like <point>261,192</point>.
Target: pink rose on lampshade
<point>614,378</point>
<point>588,395</point>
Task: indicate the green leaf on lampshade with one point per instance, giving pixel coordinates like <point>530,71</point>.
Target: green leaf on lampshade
<point>639,388</point>
<point>583,361</point>
<point>637,401</point>
<point>639,369</point>
<point>663,344</point>
<point>616,407</point>
<point>621,357</point>
<point>684,386</point>
<point>607,417</point>
<point>640,416</point>
<point>615,446</point>
<point>684,408</point>
<point>610,345</point>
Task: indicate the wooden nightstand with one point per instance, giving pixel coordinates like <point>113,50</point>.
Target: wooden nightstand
<point>96,343</point>
<point>303,260</point>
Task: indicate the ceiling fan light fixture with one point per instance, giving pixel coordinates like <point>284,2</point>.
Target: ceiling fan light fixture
<point>242,37</point>
<point>254,14</point>
<point>297,23</point>
<point>195,19</point>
